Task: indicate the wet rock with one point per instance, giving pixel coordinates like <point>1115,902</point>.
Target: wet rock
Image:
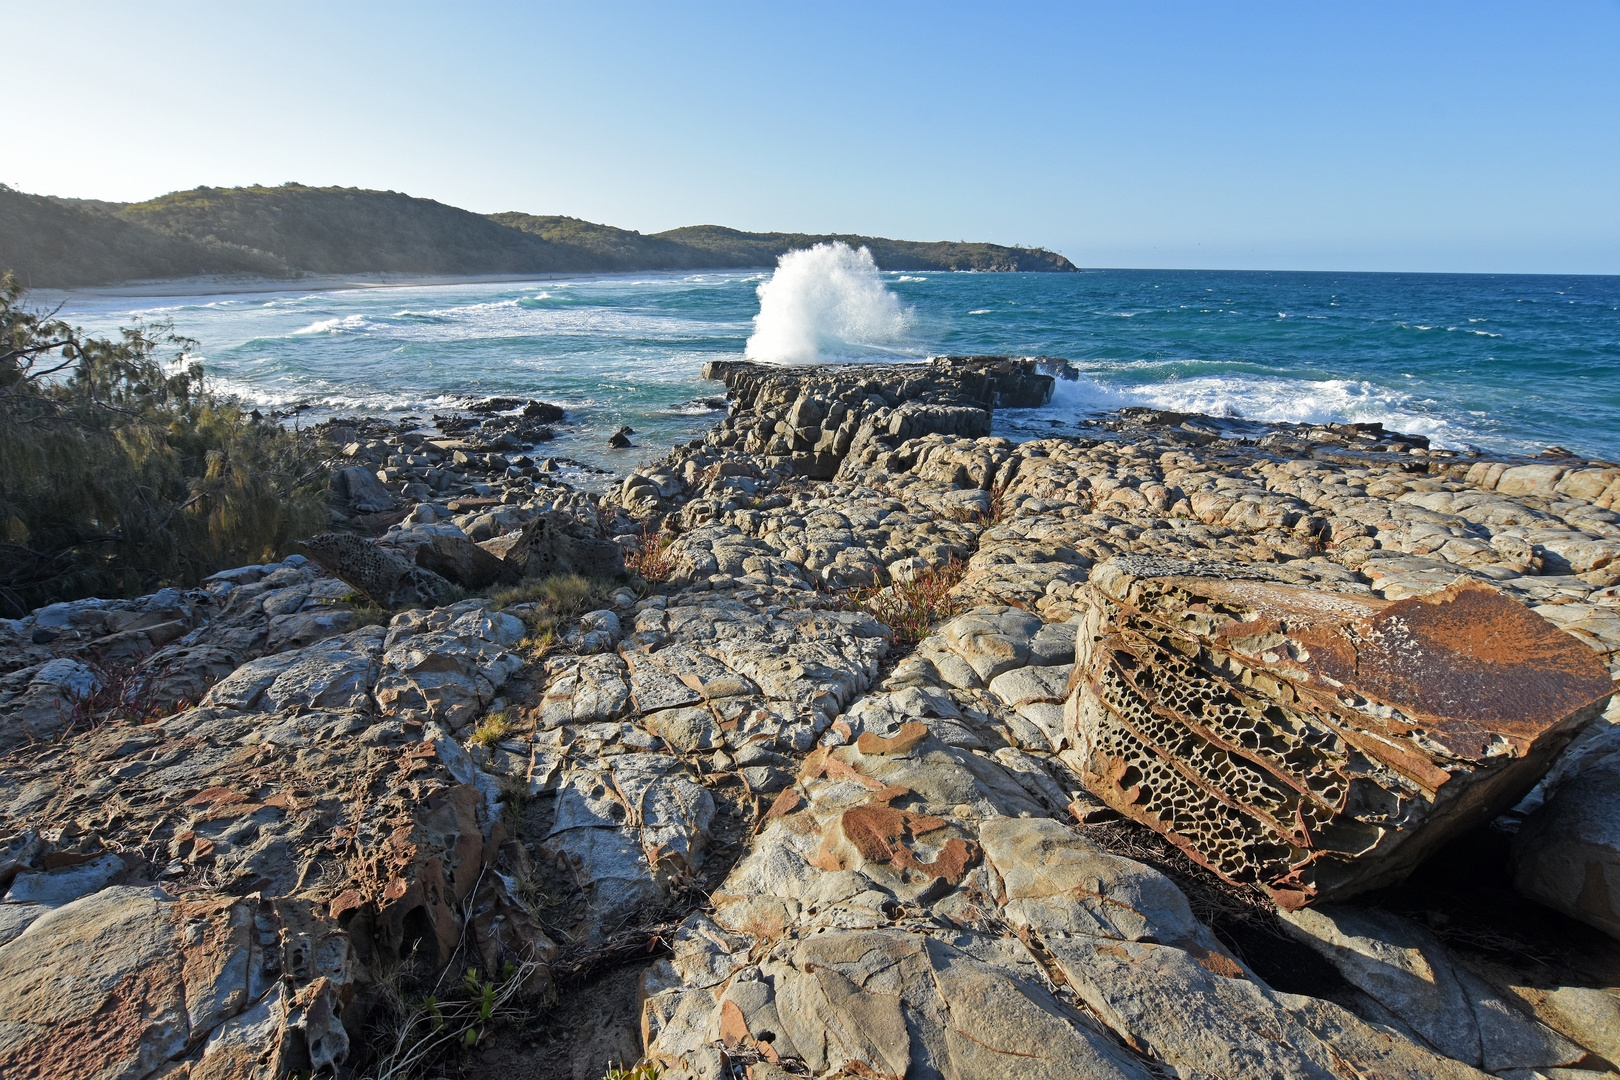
<point>1315,743</point>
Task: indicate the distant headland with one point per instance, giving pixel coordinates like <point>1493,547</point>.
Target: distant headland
<point>298,232</point>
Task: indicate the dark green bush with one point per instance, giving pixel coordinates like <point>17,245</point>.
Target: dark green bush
<point>121,472</point>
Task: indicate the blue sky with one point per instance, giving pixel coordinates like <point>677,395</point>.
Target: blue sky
<point>1374,136</point>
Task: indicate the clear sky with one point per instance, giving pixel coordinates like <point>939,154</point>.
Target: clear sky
<point>1475,136</point>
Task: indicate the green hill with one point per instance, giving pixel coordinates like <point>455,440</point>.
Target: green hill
<point>292,229</point>
<point>735,248</point>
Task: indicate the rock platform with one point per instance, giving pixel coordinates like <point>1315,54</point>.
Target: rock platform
<point>1132,797</point>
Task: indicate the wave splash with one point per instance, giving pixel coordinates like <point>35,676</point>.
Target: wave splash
<point>1259,397</point>
<point>826,303</point>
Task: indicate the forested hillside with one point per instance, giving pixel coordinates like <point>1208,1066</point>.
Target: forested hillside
<point>294,230</point>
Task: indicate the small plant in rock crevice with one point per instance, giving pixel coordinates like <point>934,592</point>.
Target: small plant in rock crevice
<point>913,607</point>
<point>457,1018</point>
<point>122,691</point>
<point>643,1071</point>
<point>545,605</point>
<point>492,729</point>
<point>651,560</point>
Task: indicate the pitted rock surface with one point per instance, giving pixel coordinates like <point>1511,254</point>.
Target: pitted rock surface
<point>1316,743</point>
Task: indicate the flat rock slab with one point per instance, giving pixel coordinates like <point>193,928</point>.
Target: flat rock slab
<point>1315,743</point>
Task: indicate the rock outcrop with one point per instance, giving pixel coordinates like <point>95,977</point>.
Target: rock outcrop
<point>1567,853</point>
<point>814,416</point>
<point>833,793</point>
<point>1316,743</point>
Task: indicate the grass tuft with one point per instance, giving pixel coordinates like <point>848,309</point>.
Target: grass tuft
<point>492,729</point>
<point>643,1071</point>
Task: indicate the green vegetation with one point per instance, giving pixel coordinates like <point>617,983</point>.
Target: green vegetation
<point>640,1072</point>
<point>293,229</point>
<point>728,247</point>
<point>120,472</point>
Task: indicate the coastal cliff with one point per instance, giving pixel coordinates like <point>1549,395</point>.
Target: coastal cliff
<point>847,740</point>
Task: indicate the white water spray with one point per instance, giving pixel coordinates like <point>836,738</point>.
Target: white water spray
<point>826,303</point>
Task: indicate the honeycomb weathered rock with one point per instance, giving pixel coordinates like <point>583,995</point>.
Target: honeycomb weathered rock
<point>1315,743</point>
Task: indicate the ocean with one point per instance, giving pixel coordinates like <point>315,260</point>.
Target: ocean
<point>1497,362</point>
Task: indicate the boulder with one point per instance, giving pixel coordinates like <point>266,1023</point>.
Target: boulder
<point>387,579</point>
<point>463,562</point>
<point>1567,853</point>
<point>1315,743</point>
<point>361,489</point>
<point>1407,980</point>
<point>555,543</point>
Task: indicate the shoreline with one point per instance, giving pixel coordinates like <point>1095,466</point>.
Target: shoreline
<point>231,286</point>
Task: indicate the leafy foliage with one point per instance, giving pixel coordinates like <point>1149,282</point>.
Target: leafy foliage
<point>120,471</point>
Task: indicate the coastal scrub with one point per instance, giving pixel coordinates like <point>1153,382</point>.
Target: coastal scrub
<point>121,471</point>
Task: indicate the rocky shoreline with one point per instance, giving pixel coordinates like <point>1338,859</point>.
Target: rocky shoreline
<point>864,744</point>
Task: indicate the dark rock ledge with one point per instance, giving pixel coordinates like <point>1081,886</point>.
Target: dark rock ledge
<point>1213,763</point>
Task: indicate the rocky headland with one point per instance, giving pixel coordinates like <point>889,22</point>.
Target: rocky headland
<point>849,740</point>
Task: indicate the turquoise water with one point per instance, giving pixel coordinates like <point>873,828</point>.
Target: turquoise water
<point>1508,363</point>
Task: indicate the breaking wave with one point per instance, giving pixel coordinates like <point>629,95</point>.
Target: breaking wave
<point>823,303</point>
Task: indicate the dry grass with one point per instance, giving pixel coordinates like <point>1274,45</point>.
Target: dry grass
<point>546,605</point>
<point>492,729</point>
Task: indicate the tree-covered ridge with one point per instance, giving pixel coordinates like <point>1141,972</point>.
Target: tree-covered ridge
<point>736,248</point>
<point>293,229</point>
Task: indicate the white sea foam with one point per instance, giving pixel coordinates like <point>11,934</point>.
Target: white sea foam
<point>336,325</point>
<point>826,303</point>
<point>1262,397</point>
<point>904,277</point>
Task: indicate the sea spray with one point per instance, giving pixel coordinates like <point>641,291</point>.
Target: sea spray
<point>1260,397</point>
<point>826,303</point>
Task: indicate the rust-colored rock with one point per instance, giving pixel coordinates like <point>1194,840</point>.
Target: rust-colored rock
<point>1315,744</point>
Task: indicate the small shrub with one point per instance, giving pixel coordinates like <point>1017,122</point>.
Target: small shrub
<point>435,1026</point>
<point>124,692</point>
<point>912,608</point>
<point>652,560</point>
<point>120,471</point>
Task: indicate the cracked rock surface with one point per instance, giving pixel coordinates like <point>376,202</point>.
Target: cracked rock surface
<point>734,823</point>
